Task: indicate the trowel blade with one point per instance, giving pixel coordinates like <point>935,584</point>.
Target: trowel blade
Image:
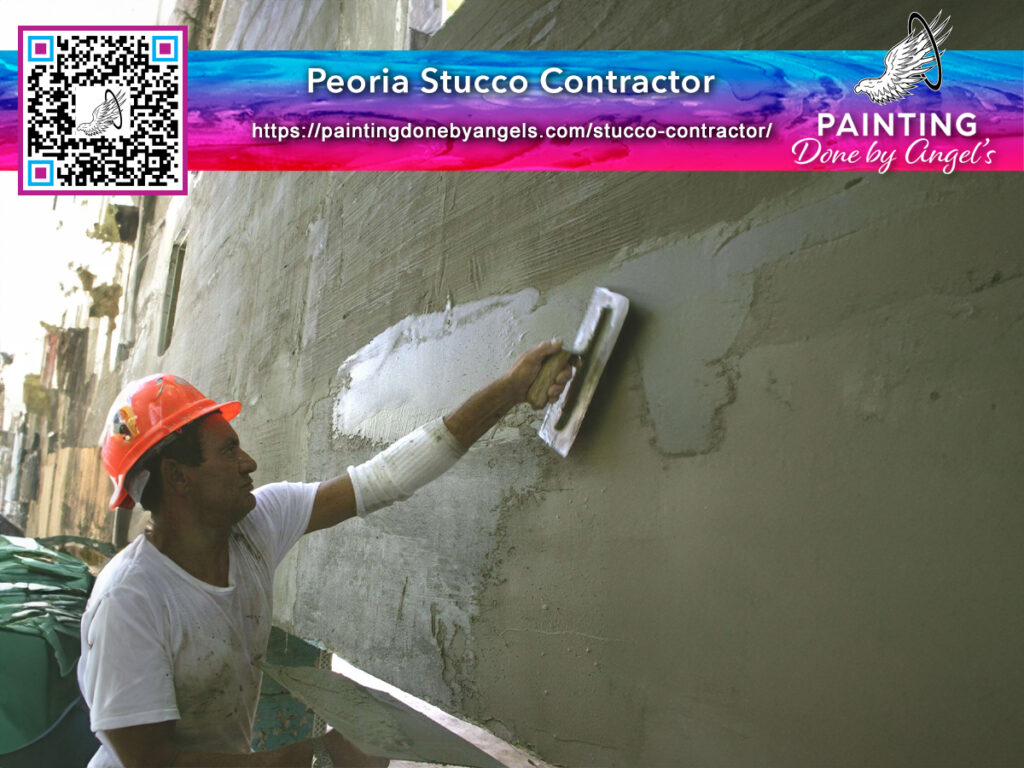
<point>595,340</point>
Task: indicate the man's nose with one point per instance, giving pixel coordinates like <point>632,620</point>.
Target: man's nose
<point>246,463</point>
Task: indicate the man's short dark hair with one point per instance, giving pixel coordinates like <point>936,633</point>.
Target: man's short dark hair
<point>184,448</point>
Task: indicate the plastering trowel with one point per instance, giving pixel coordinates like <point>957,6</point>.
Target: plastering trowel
<point>594,342</point>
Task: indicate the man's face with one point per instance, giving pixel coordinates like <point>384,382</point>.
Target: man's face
<point>221,485</point>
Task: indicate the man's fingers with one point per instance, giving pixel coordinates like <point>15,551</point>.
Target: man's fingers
<point>546,349</point>
<point>344,752</point>
<point>558,386</point>
<point>531,374</point>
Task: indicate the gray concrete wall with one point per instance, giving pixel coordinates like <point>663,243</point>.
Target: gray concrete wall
<point>790,530</point>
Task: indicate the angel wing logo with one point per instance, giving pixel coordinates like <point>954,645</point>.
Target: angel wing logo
<point>909,62</point>
<point>107,114</point>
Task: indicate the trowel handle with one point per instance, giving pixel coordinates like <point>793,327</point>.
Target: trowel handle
<point>537,395</point>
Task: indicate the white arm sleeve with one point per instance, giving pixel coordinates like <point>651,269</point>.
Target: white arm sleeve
<point>412,462</point>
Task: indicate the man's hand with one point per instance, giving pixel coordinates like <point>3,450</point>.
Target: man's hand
<point>152,746</point>
<point>526,367</point>
<point>481,412</point>
<point>345,753</point>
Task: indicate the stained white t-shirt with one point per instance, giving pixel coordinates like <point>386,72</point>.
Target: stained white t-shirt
<point>159,644</point>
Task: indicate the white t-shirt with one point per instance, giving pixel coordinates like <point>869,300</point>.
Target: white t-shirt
<point>159,644</point>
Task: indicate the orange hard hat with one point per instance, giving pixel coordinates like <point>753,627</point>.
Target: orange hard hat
<point>144,413</point>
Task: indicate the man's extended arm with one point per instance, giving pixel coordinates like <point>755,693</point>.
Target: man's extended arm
<point>152,746</point>
<point>336,499</point>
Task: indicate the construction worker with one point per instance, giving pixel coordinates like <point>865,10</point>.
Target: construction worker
<point>179,620</point>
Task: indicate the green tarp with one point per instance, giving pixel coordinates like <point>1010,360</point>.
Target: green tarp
<point>43,593</point>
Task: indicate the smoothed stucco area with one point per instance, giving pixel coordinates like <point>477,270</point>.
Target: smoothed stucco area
<point>827,584</point>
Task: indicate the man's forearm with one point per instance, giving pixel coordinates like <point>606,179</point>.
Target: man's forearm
<point>152,744</point>
<point>393,474</point>
<point>397,472</point>
<point>483,410</point>
<point>299,755</point>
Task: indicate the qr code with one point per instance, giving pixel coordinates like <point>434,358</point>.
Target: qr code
<point>102,110</point>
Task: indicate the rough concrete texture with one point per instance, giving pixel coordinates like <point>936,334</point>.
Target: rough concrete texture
<point>314,25</point>
<point>789,531</point>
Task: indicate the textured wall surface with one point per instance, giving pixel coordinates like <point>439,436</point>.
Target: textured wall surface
<point>790,530</point>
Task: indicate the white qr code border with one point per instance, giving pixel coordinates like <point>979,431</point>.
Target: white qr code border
<point>133,141</point>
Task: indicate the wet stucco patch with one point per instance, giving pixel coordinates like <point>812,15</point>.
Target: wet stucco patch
<point>693,297</point>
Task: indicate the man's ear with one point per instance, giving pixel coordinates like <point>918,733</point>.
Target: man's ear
<point>176,479</point>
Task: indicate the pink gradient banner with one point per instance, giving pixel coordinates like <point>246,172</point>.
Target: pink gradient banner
<point>587,110</point>
<point>579,110</point>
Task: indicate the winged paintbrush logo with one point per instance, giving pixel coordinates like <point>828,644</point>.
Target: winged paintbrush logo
<point>909,61</point>
<point>106,114</point>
